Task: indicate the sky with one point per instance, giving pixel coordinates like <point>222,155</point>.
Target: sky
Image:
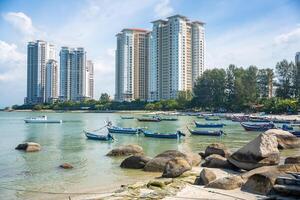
<point>240,32</point>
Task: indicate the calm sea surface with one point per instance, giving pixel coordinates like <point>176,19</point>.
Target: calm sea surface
<point>26,173</point>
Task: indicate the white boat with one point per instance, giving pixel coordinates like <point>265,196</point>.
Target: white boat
<point>41,119</point>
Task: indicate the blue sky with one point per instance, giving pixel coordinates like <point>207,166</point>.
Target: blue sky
<point>256,32</point>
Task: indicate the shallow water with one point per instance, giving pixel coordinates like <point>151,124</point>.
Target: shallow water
<point>93,171</point>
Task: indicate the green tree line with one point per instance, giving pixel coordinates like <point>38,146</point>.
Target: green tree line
<point>234,89</point>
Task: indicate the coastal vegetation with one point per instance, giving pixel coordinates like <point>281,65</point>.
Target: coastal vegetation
<point>234,89</point>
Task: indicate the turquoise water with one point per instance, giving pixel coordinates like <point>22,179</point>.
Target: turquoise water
<point>93,171</point>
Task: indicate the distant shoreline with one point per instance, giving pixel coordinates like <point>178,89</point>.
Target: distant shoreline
<point>279,116</point>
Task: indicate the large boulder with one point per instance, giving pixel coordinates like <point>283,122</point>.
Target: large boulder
<point>217,148</point>
<point>193,158</point>
<point>126,150</point>
<point>158,163</point>
<point>66,166</point>
<point>135,162</point>
<point>262,183</point>
<point>285,139</point>
<point>29,147</point>
<point>227,183</point>
<point>292,160</point>
<point>206,176</point>
<point>294,168</point>
<point>175,167</point>
<point>261,151</point>
<point>217,161</point>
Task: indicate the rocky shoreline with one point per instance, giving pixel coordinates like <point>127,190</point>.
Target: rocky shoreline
<point>252,172</point>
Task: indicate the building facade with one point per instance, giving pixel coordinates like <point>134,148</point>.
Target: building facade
<point>176,56</point>
<point>158,64</point>
<point>132,61</point>
<point>90,78</point>
<point>73,74</point>
<point>52,81</point>
<point>38,54</point>
<point>297,59</point>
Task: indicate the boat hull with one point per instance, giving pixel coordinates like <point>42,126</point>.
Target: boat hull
<point>42,121</point>
<point>148,120</point>
<point>199,125</point>
<point>162,135</point>
<point>93,136</point>
<point>122,130</point>
<point>257,127</point>
<point>207,133</point>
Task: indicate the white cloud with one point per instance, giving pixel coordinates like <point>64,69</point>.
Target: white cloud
<point>21,22</point>
<point>288,37</point>
<point>163,9</point>
<point>12,63</point>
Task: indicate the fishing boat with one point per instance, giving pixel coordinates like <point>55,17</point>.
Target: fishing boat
<point>290,129</point>
<point>208,125</point>
<point>259,119</point>
<point>41,119</point>
<point>257,127</point>
<point>121,130</point>
<point>95,136</point>
<point>206,133</point>
<point>279,121</point>
<point>213,118</point>
<point>168,118</point>
<point>240,118</point>
<point>176,135</point>
<point>127,117</point>
<point>149,119</point>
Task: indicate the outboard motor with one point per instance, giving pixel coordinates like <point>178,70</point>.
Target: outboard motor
<point>180,133</point>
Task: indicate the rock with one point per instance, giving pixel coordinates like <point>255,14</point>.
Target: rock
<point>158,163</point>
<point>193,158</point>
<point>206,176</point>
<point>217,148</point>
<point>285,139</point>
<point>135,162</point>
<point>292,160</point>
<point>29,147</point>
<point>261,151</point>
<point>202,154</point>
<point>126,150</point>
<point>66,166</point>
<point>273,169</point>
<point>217,161</point>
<point>262,183</point>
<point>227,183</point>
<point>159,182</point>
<point>175,167</point>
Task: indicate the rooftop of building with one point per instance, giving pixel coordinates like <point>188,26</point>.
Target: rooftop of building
<point>135,29</point>
<point>198,22</point>
<point>178,16</point>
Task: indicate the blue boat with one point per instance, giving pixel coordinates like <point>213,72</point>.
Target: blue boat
<point>206,133</point>
<point>290,129</point>
<point>208,125</point>
<point>257,127</point>
<point>213,118</point>
<point>95,136</point>
<point>127,117</point>
<point>115,129</point>
<point>176,135</point>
